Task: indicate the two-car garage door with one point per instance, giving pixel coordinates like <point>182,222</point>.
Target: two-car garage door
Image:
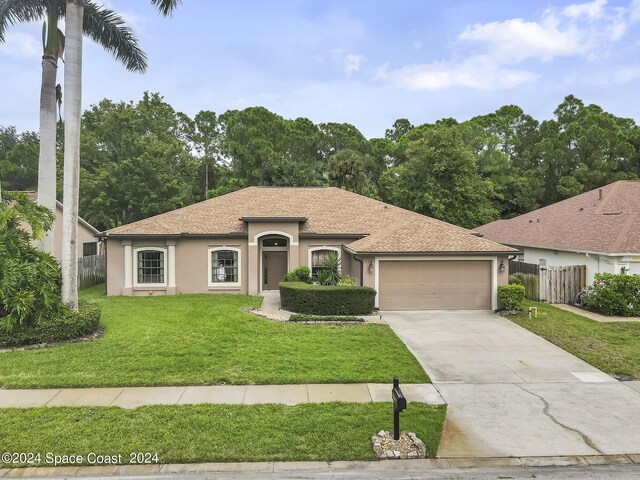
<point>435,285</point>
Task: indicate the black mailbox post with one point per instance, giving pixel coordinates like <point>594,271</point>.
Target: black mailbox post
<point>399,404</point>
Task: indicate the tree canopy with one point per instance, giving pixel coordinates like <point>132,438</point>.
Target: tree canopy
<point>144,158</point>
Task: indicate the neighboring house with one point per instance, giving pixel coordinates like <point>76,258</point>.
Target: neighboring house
<point>599,229</point>
<point>87,239</point>
<point>246,241</point>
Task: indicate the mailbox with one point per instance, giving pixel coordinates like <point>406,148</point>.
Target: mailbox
<point>399,401</point>
<point>399,404</point>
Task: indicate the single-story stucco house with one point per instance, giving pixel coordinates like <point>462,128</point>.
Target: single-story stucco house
<point>246,241</point>
<point>599,229</point>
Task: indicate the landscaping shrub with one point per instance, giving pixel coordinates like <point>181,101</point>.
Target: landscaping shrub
<point>515,280</point>
<point>301,317</point>
<point>329,274</point>
<point>30,279</point>
<point>300,274</point>
<point>615,294</point>
<point>347,281</point>
<point>322,300</point>
<point>512,296</point>
<point>67,326</point>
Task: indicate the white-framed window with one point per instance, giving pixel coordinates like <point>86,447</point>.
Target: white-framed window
<point>317,256</point>
<point>150,267</point>
<point>224,267</point>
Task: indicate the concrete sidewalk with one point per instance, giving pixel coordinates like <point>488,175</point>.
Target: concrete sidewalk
<point>132,397</point>
<point>620,466</point>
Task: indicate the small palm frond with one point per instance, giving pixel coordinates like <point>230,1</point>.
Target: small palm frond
<point>166,7</point>
<point>13,12</point>
<point>108,29</point>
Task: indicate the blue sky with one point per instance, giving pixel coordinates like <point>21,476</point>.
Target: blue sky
<point>363,62</point>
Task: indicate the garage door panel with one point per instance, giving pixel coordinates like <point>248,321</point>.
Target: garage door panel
<point>435,284</point>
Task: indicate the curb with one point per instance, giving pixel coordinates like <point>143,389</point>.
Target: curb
<point>319,467</point>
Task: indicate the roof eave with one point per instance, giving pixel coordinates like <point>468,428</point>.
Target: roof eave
<point>465,253</point>
<point>572,250</point>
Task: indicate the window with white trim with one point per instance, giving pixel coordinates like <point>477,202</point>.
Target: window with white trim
<point>150,267</point>
<point>225,266</point>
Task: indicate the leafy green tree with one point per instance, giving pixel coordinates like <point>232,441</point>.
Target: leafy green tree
<point>18,159</point>
<point>255,141</point>
<point>29,277</point>
<point>340,136</point>
<point>352,170</point>
<point>134,164</point>
<point>226,185</point>
<point>400,128</point>
<point>504,144</point>
<point>440,179</point>
<point>585,147</point>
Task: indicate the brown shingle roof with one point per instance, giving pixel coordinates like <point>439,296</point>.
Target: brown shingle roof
<point>328,210</point>
<point>417,236</point>
<point>585,223</point>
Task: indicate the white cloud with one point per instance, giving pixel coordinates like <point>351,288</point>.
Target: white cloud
<point>350,62</point>
<point>516,40</point>
<point>592,11</point>
<point>19,44</point>
<point>487,54</point>
<point>584,29</point>
<point>634,9</point>
<point>477,73</point>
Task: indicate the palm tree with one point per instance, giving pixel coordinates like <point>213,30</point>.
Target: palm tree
<point>72,112</point>
<point>102,25</point>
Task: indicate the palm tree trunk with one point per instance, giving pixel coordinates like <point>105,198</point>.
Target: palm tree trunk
<point>47,158</point>
<point>72,111</point>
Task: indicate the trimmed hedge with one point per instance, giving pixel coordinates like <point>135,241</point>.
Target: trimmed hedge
<point>321,300</point>
<point>615,294</point>
<point>512,296</point>
<point>301,317</point>
<point>67,326</point>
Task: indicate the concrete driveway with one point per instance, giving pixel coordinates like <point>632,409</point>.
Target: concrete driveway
<point>512,393</point>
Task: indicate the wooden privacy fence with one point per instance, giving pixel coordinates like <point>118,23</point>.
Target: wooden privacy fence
<point>529,273</point>
<point>550,284</point>
<point>562,284</point>
<point>91,270</point>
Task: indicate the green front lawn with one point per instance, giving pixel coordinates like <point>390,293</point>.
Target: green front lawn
<point>207,339</point>
<point>215,433</point>
<point>613,348</point>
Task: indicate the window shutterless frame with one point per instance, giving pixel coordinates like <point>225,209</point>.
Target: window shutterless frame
<point>143,264</point>
<point>235,267</point>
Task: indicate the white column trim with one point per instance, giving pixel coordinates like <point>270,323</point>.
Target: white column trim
<point>171,260</point>
<point>128,266</point>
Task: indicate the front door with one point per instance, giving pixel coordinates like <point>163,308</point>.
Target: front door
<point>274,268</point>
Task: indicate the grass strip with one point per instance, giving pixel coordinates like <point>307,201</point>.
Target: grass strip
<point>613,347</point>
<point>214,433</point>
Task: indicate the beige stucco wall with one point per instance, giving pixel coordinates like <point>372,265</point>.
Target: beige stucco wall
<point>503,277</point>
<point>85,235</point>
<point>192,265</point>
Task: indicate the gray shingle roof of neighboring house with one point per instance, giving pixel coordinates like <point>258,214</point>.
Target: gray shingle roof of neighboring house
<point>321,211</point>
<point>603,220</point>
